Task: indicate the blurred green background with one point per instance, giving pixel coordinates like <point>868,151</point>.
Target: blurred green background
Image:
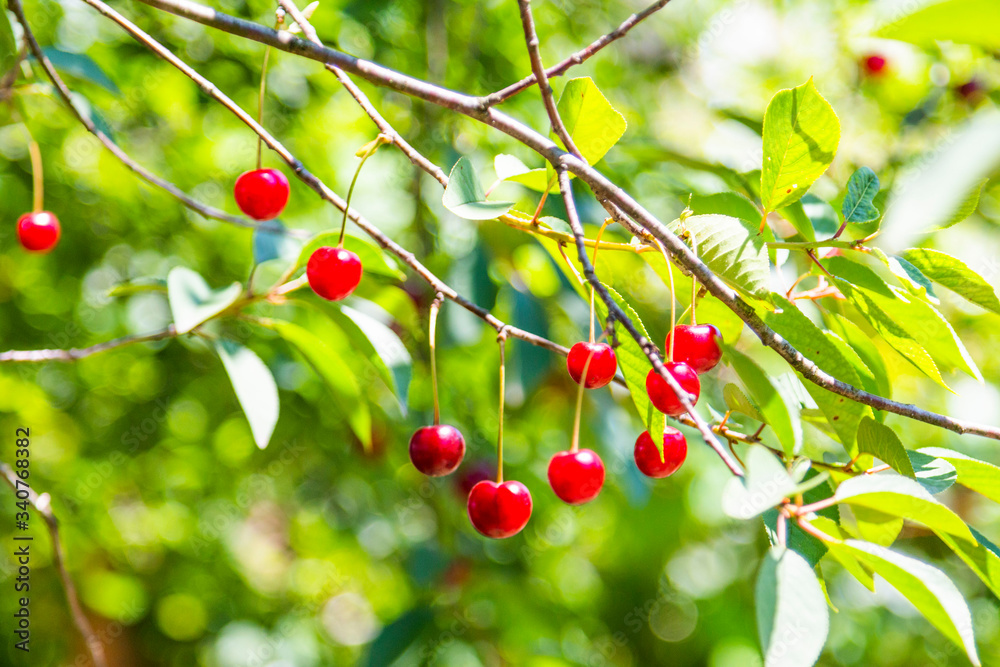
<point>190,546</point>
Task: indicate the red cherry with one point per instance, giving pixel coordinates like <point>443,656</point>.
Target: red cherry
<point>874,64</point>
<point>437,450</point>
<point>697,345</point>
<point>603,363</point>
<point>649,460</point>
<point>262,193</point>
<point>38,231</point>
<point>333,273</point>
<point>663,397</point>
<point>576,477</point>
<point>499,510</point>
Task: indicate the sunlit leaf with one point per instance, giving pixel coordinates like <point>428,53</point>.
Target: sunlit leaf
<point>733,249</point>
<point>882,442</point>
<point>792,616</point>
<point>974,474</point>
<point>465,197</point>
<point>193,302</point>
<point>782,417</point>
<point>255,388</point>
<point>858,207</point>
<point>963,21</point>
<point>954,274</point>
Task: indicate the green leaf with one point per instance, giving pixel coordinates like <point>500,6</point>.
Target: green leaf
<point>801,134</point>
<point>193,302</point>
<point>733,249</point>
<point>81,66</point>
<point>882,442</point>
<point>509,166</point>
<point>904,498</point>
<point>983,559</point>
<point>843,415</point>
<point>967,206</point>
<point>593,124</point>
<point>634,365</point>
<point>737,401</point>
<point>465,197</point>
<point>954,274</point>
<point>388,353</point>
<point>335,372</point>
<point>858,207</point>
<point>927,588</point>
<point>974,474</point>
<point>872,525</point>
<point>934,474</point>
<point>374,260</point>
<point>8,46</point>
<point>797,539</point>
<point>847,560</point>
<point>868,382</point>
<point>793,619</point>
<point>399,635</point>
<point>821,213</point>
<point>272,241</point>
<point>778,414</point>
<point>795,213</point>
<point>732,204</point>
<point>539,180</point>
<point>766,483</point>
<point>964,21</point>
<point>255,388</point>
<point>866,350</point>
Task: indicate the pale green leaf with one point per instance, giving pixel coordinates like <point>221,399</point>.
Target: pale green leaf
<point>983,559</point>
<point>847,560</point>
<point>193,302</point>
<point>866,350</point>
<point>593,124</point>
<point>465,197</point>
<point>795,213</point>
<point>801,134</point>
<point>964,21</point>
<point>255,388</point>
<point>974,474</point>
<point>387,351</point>
<point>954,274</point>
<point>732,204</point>
<point>509,166</point>
<point>792,616</point>
<point>766,483</point>
<point>967,206</point>
<point>927,588</point>
<point>778,414</point>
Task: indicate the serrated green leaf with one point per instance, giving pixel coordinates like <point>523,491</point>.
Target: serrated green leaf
<point>593,124</point>
<point>335,372</point>
<point>193,302</point>
<point>858,208</point>
<point>963,21</point>
<point>882,442</point>
<point>974,474</point>
<point>374,259</point>
<point>737,401</point>
<point>983,559</point>
<point>778,414</point>
<point>901,497</point>
<point>465,197</point>
<point>81,66</point>
<point>954,274</point>
<point>843,415</point>
<point>255,388</point>
<point>733,249</point>
<point>792,616</point>
<point>934,474</point>
<point>927,588</point>
<point>801,134</point>
<point>766,483</point>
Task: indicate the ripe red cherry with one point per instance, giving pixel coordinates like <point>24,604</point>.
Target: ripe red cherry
<point>874,64</point>
<point>38,231</point>
<point>663,397</point>
<point>647,454</point>
<point>697,345</point>
<point>262,193</point>
<point>603,363</point>
<point>499,510</point>
<point>333,273</point>
<point>576,477</point>
<point>437,450</point>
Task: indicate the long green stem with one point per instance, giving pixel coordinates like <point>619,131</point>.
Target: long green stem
<point>350,192</point>
<point>673,301</point>
<point>37,175</point>
<point>432,333</point>
<point>575,446</point>
<point>260,102</point>
<point>501,340</point>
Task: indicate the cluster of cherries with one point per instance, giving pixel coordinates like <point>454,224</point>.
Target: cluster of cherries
<point>333,273</point>
<point>501,509</point>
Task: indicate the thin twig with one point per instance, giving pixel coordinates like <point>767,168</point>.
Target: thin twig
<point>75,354</point>
<point>577,58</point>
<point>42,505</point>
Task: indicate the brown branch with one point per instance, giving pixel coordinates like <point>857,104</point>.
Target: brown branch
<point>42,505</point>
<point>74,354</point>
<point>602,187</point>
<point>535,55</point>
<point>577,58</point>
<point>648,348</point>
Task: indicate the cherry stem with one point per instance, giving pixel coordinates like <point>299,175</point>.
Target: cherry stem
<point>575,445</point>
<point>279,19</point>
<point>538,211</point>
<point>350,192</point>
<point>694,283</point>
<point>37,176</point>
<point>816,532</point>
<point>501,341</point>
<point>597,246</point>
<point>673,301</point>
<point>432,333</point>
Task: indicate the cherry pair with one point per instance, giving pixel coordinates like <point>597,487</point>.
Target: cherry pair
<point>696,349</point>
<point>38,231</point>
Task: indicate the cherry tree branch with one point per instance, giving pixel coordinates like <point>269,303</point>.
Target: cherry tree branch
<point>577,58</point>
<point>43,506</point>
<point>648,348</point>
<point>75,354</point>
